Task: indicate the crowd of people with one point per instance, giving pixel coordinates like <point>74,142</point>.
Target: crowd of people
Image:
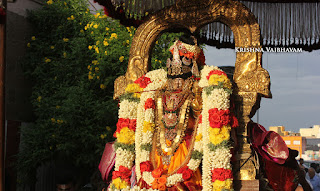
<point>309,176</point>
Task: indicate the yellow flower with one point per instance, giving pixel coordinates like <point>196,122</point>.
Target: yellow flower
<point>95,62</point>
<point>105,52</point>
<point>222,185</point>
<point>89,47</point>
<point>215,79</point>
<point>47,60</point>
<point>121,58</point>
<point>105,42</point>
<point>97,50</point>
<point>71,17</point>
<point>49,2</point>
<point>65,3</point>
<point>98,77</point>
<point>97,15</point>
<point>53,120</point>
<point>39,98</point>
<point>82,31</point>
<point>133,88</point>
<point>114,35</point>
<point>102,86</point>
<point>98,42</point>
<point>28,45</point>
<point>199,137</point>
<point>217,135</point>
<point>33,38</point>
<point>90,77</point>
<point>95,26</point>
<point>127,41</point>
<point>64,54</point>
<point>108,128</point>
<point>65,39</point>
<point>147,126</point>
<point>96,69</point>
<point>107,29</point>
<point>126,136</point>
<point>52,47</point>
<point>102,136</point>
<point>59,121</point>
<point>119,184</point>
<point>157,42</point>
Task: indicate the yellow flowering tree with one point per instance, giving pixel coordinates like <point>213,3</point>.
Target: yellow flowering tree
<point>73,58</point>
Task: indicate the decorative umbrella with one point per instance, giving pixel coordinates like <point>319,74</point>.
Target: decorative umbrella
<point>283,23</point>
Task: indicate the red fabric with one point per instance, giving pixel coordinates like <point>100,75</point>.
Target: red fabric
<point>269,144</point>
<point>281,177</point>
<point>107,161</point>
<point>275,155</point>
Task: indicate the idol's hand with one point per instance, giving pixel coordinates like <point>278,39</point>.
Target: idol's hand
<point>196,104</point>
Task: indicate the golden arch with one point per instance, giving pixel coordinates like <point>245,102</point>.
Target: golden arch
<point>252,81</point>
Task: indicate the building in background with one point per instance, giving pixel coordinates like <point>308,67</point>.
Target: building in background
<point>296,143</point>
<point>281,130</point>
<point>311,132</point>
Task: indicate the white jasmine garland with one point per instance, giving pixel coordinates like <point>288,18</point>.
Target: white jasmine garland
<point>145,155</point>
<point>220,158</point>
<point>220,99</point>
<point>128,109</point>
<point>194,164</point>
<point>206,172</point>
<point>124,158</point>
<point>174,179</point>
<point>204,73</point>
<point>149,115</point>
<point>158,79</point>
<point>147,177</point>
<point>147,137</point>
<point>139,137</point>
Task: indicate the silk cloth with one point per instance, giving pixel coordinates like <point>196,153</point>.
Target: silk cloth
<point>279,161</point>
<point>107,161</point>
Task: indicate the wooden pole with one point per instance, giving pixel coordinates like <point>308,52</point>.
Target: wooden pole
<point>2,91</point>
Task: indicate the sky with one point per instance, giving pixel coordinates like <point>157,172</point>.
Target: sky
<point>295,87</point>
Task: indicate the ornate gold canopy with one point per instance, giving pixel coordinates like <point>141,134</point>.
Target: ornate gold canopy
<point>252,81</point>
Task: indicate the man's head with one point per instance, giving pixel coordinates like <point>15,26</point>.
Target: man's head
<point>311,172</point>
<point>301,160</point>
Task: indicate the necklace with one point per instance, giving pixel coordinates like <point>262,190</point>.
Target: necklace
<point>176,136</point>
<point>173,113</point>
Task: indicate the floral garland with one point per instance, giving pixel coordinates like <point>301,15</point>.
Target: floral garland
<point>136,126</point>
<point>217,122</point>
<point>155,178</point>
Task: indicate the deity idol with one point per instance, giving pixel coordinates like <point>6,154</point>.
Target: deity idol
<point>170,122</point>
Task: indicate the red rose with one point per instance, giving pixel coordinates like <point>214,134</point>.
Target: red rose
<point>124,173</point>
<point>186,173</point>
<point>200,119</point>
<point>221,174</point>
<point>146,166</point>
<point>132,124</point>
<point>215,118</point>
<point>143,81</point>
<point>125,122</point>
<point>149,104</point>
<point>225,119</point>
<point>218,72</point>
